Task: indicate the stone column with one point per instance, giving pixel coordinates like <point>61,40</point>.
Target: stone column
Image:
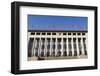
<point>45,49</point>
<point>72,47</point>
<point>56,48</point>
<point>35,45</point>
<point>67,46</point>
<point>28,38</point>
<point>85,47</point>
<point>50,46</point>
<point>61,46</point>
<point>40,46</point>
<point>77,48</point>
<point>32,49</point>
<point>82,46</point>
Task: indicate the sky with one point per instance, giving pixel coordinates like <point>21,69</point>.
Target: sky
<point>47,22</point>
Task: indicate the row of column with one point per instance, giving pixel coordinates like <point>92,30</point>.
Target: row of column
<point>57,47</point>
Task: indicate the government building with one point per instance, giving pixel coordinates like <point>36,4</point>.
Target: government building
<point>57,44</point>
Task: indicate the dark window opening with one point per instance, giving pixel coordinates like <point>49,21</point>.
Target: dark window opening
<point>43,33</point>
<point>75,53</point>
<point>30,44</point>
<point>80,46</point>
<point>64,47</point>
<point>48,46</point>
<point>69,44</point>
<point>65,53</point>
<point>83,33</point>
<point>48,33</point>
<point>42,54</point>
<point>53,39</point>
<point>79,33</point>
<point>53,33</point>
<point>59,53</point>
<point>37,33</point>
<point>70,53</point>
<point>59,46</point>
<point>32,33</point>
<point>43,46</point>
<point>59,40</point>
<point>53,46</point>
<point>85,52</point>
<point>48,54</point>
<point>74,33</point>
<point>69,33</point>
<point>80,52</point>
<point>74,44</point>
<point>53,53</point>
<point>64,33</point>
<point>36,53</point>
<point>64,39</point>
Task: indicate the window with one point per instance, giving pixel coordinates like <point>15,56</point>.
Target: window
<point>79,33</point>
<point>75,47</point>
<point>74,44</point>
<point>59,45</point>
<point>83,33</point>
<point>48,53</point>
<point>69,33</point>
<point>37,42</point>
<point>53,53</point>
<point>64,33</point>
<point>75,53</point>
<point>53,46</point>
<point>43,33</point>
<point>42,53</point>
<point>36,53</point>
<point>80,46</point>
<point>53,40</point>
<point>48,43</point>
<point>74,33</point>
<point>48,40</point>
<point>64,53</point>
<point>70,53</point>
<point>43,43</point>
<point>48,33</point>
<point>48,46</point>
<point>69,44</point>
<point>64,39</point>
<point>59,40</point>
<point>32,33</point>
<point>37,33</point>
<point>53,43</point>
<point>30,44</point>
<point>42,46</point>
<point>59,53</point>
<point>53,33</point>
<point>43,40</point>
<point>64,44</point>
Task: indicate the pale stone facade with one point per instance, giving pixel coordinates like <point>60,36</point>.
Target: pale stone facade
<point>57,43</point>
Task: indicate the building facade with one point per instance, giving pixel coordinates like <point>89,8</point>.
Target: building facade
<point>57,43</point>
